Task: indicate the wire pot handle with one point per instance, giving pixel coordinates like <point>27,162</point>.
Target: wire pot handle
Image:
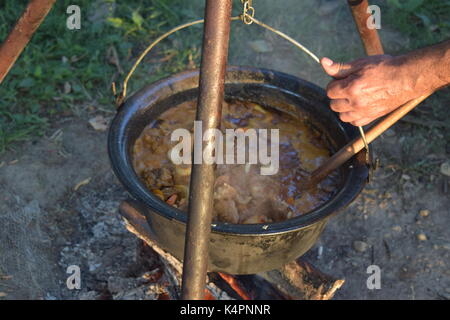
<point>247,19</point>
<point>121,97</point>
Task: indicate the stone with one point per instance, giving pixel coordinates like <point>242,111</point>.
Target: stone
<point>422,237</point>
<point>90,295</point>
<point>118,284</point>
<point>424,213</point>
<point>406,273</point>
<point>360,246</point>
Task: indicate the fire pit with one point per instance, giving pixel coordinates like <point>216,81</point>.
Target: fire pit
<point>234,248</point>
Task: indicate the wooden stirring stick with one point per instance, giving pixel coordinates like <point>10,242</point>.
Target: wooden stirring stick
<point>356,145</point>
<point>372,45</point>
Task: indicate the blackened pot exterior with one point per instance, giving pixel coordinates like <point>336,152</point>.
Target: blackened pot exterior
<point>236,249</point>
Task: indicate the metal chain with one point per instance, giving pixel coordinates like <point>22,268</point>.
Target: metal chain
<point>248,11</point>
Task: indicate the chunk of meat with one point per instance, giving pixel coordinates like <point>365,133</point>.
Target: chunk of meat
<point>153,139</point>
<point>226,211</point>
<point>225,191</point>
<point>255,219</point>
<point>262,186</point>
<point>280,209</point>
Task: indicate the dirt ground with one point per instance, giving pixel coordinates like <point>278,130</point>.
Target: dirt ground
<point>399,223</point>
<point>47,226</point>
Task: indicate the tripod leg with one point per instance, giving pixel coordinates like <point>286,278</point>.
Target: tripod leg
<point>369,37</point>
<point>21,34</point>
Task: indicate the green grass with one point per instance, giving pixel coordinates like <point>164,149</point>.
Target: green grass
<point>425,22</point>
<point>36,89</point>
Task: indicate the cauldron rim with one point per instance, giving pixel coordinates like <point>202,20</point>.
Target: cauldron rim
<point>123,168</point>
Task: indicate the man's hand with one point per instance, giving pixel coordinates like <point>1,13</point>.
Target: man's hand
<point>368,88</point>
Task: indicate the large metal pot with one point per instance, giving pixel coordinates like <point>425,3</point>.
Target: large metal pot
<point>236,249</point>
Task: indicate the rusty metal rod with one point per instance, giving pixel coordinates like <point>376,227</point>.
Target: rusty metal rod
<point>20,35</point>
<point>209,112</point>
<point>370,39</point>
<point>372,45</point>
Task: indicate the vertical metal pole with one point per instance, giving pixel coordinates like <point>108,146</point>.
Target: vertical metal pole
<point>21,34</point>
<point>209,112</point>
<point>369,37</point>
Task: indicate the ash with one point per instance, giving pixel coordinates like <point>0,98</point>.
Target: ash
<point>112,262</point>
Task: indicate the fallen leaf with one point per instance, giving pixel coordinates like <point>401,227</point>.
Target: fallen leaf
<point>82,183</point>
<point>445,168</point>
<point>99,123</point>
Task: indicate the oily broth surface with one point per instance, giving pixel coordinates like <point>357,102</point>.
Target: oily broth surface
<point>241,193</point>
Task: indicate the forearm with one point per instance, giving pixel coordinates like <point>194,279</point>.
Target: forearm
<point>368,88</point>
<point>429,68</point>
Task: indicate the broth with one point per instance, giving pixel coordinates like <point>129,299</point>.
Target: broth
<point>241,193</point>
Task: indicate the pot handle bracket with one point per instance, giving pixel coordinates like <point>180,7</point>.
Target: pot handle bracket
<point>372,164</point>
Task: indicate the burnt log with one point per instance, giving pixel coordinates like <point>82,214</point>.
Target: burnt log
<point>297,280</point>
<point>300,280</point>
